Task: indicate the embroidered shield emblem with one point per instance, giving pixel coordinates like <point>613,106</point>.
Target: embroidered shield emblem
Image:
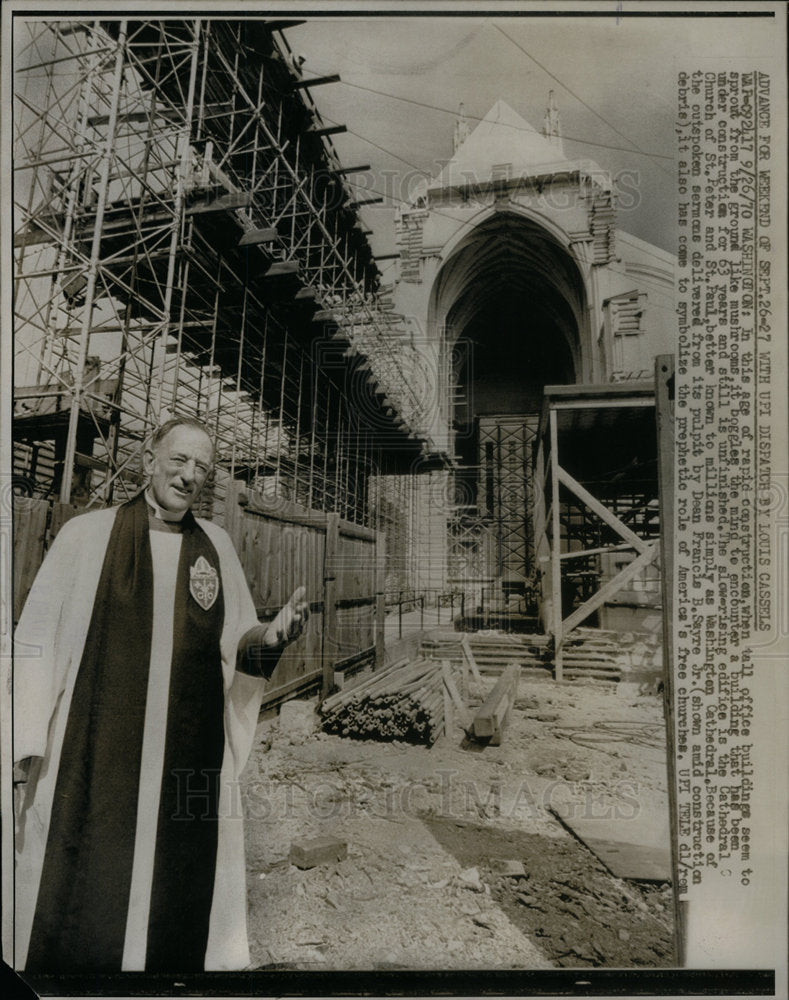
<point>203,583</point>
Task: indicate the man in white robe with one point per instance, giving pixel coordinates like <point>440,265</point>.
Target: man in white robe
<point>138,675</point>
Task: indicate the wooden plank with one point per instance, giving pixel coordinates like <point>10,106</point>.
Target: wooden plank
<point>253,237</point>
<point>461,711</point>
<point>342,171</point>
<point>30,528</point>
<point>330,636</point>
<point>449,718</point>
<point>596,552</point>
<point>492,718</point>
<point>645,855</point>
<point>358,660</point>
<point>466,647</point>
<point>282,269</point>
<point>449,683</point>
<point>61,512</point>
<point>605,392</point>
<point>350,530</point>
<point>556,546</point>
<point>231,516</point>
<point>299,685</point>
<point>364,201</point>
<point>380,598</point>
<point>315,81</point>
<point>608,404</point>
<point>254,503</point>
<point>614,585</point>
<point>225,203</point>
<point>602,512</point>
<point>328,130</point>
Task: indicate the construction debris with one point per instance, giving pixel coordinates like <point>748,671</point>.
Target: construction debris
<point>404,702</point>
<point>430,831</point>
<point>507,867</point>
<point>317,851</point>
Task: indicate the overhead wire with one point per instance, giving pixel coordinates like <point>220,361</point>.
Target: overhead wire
<point>636,148</point>
<point>401,201</point>
<point>533,131</point>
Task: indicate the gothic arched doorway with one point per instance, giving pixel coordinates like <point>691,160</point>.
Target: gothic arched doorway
<point>509,304</point>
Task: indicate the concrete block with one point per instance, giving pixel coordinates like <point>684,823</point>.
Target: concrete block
<point>298,718</point>
<point>317,851</point>
<point>469,879</point>
<point>508,867</point>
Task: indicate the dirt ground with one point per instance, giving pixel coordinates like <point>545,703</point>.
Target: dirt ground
<point>424,884</point>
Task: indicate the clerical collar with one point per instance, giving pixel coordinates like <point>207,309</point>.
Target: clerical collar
<point>164,515</point>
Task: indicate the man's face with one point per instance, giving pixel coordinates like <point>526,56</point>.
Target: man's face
<point>178,467</point>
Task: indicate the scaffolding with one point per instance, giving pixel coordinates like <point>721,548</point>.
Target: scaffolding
<point>187,242</point>
<point>506,493</point>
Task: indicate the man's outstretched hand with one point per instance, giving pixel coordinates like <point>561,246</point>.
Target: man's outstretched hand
<point>290,622</point>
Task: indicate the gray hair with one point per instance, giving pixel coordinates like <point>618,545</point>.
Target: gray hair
<point>162,431</point>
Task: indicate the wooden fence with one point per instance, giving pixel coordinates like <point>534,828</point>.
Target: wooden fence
<point>36,522</point>
<point>281,548</point>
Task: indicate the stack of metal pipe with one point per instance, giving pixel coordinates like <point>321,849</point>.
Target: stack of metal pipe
<point>403,702</point>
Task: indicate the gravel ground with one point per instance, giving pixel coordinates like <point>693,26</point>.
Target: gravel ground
<point>421,887</point>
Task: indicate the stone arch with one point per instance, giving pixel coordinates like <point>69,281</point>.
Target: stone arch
<point>511,286</point>
<point>509,306</point>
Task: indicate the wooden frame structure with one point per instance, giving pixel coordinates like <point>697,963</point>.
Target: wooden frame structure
<point>596,492</point>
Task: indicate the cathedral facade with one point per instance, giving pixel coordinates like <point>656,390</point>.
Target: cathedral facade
<point>514,276</point>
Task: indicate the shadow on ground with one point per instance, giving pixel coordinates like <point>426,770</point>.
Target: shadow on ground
<point>567,902</point>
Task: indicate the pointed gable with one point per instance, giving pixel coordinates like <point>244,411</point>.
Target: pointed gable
<point>503,144</point>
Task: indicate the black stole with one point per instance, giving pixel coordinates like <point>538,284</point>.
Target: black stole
<point>80,917</point>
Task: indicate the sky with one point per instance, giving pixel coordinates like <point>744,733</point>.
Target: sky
<point>614,81</point>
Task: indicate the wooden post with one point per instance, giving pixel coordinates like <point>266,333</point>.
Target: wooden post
<point>231,517</point>
<point>556,550</point>
<point>613,586</point>
<point>492,718</point>
<point>380,598</point>
<point>61,512</point>
<point>449,716</point>
<point>469,657</point>
<point>664,412</point>
<point>329,637</point>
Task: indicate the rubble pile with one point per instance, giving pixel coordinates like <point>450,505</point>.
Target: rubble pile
<point>455,857</point>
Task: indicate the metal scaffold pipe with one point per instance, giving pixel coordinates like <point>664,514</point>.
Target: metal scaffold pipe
<point>177,220</point>
<point>93,270</point>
